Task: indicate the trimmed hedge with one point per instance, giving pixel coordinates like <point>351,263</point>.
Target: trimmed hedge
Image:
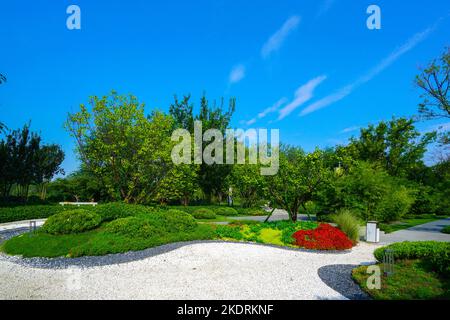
<point>156,224</point>
<point>204,213</point>
<point>116,210</point>
<point>226,211</point>
<point>29,212</point>
<point>436,253</point>
<point>71,221</point>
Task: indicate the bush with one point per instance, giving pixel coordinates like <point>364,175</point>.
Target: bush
<point>226,211</point>
<point>348,223</point>
<point>71,221</point>
<point>116,210</point>
<point>29,212</point>
<point>229,232</point>
<point>324,237</point>
<point>446,230</point>
<point>133,227</point>
<point>204,213</point>
<point>156,224</point>
<point>436,253</point>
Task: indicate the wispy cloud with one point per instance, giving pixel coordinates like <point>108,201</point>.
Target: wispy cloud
<point>267,111</point>
<point>276,40</point>
<point>302,95</point>
<point>350,129</point>
<point>237,74</point>
<point>390,59</point>
<point>325,7</point>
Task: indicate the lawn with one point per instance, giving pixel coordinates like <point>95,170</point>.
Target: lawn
<point>411,280</point>
<point>117,228</point>
<point>409,222</point>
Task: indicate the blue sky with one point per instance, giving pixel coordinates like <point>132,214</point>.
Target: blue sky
<point>310,68</point>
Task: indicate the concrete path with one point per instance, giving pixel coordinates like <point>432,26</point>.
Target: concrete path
<point>277,215</point>
<point>425,232</point>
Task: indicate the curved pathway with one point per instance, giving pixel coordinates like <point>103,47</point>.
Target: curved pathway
<point>430,231</point>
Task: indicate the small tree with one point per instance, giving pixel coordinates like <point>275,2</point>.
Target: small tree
<point>299,176</point>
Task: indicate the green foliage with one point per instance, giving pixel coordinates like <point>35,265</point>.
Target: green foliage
<point>115,210</point>
<point>446,230</point>
<point>434,82</point>
<point>71,221</point>
<point>203,213</point>
<point>229,232</point>
<point>226,211</point>
<point>179,185</point>
<point>299,176</point>
<point>248,182</point>
<point>348,222</point>
<point>126,150</point>
<point>29,212</point>
<point>395,145</point>
<point>24,161</point>
<point>433,252</point>
<point>369,190</point>
<point>133,227</point>
<point>398,286</point>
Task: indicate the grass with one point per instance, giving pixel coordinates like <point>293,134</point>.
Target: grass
<point>101,242</point>
<point>412,279</point>
<point>408,222</point>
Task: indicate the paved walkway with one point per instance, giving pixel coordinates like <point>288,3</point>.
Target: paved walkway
<point>425,232</point>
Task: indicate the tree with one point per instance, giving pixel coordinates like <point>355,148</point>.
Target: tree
<point>435,82</point>
<point>127,151</point>
<point>47,164</point>
<point>2,78</point>
<point>211,177</point>
<point>300,175</point>
<point>394,144</point>
<point>180,184</point>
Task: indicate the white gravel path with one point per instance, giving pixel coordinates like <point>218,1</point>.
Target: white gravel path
<point>194,271</point>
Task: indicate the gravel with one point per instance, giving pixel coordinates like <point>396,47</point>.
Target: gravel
<point>194,270</point>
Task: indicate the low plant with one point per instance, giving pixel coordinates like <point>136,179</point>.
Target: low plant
<point>446,230</point>
<point>27,212</point>
<point>71,221</point>
<point>226,211</point>
<point>203,213</point>
<point>348,222</point>
<point>116,210</point>
<point>324,237</point>
<point>433,252</point>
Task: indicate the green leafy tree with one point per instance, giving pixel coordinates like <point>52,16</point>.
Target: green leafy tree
<point>300,175</point>
<point>396,145</point>
<point>211,178</point>
<point>180,184</point>
<point>47,164</point>
<point>128,151</point>
<point>434,81</point>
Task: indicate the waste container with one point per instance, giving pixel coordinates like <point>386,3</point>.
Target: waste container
<point>372,232</point>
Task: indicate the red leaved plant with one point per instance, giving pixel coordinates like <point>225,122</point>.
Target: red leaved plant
<point>324,237</point>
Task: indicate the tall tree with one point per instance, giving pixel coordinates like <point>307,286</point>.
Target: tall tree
<point>300,175</point>
<point>397,145</point>
<point>47,164</point>
<point>435,83</point>
<point>211,177</point>
<point>128,151</point>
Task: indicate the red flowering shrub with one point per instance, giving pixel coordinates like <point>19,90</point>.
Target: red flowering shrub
<point>324,237</point>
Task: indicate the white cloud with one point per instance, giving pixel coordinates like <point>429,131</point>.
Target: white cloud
<point>325,7</point>
<point>237,73</point>
<point>267,111</point>
<point>350,129</point>
<point>302,95</point>
<point>277,39</point>
<point>345,91</point>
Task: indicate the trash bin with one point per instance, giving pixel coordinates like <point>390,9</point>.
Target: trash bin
<point>372,232</point>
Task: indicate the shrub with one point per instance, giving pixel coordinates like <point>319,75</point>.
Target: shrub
<point>324,237</point>
<point>29,212</point>
<point>115,210</point>
<point>229,232</point>
<point>348,223</point>
<point>72,221</point>
<point>204,213</point>
<point>446,230</point>
<point>436,253</point>
<point>226,211</point>
<point>149,225</point>
<point>133,227</point>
